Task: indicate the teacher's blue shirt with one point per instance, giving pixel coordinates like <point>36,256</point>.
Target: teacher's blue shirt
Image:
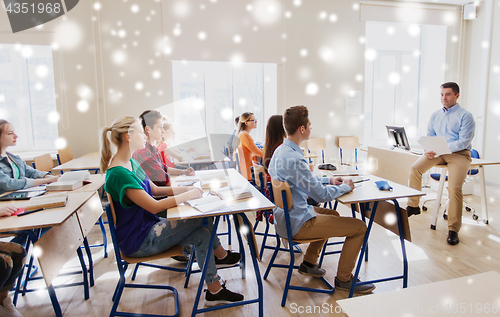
<point>289,165</point>
<point>455,124</point>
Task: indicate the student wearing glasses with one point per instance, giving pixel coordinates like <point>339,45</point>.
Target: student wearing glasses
<point>149,157</point>
<point>247,149</point>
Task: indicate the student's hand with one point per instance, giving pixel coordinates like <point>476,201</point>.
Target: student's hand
<point>7,211</point>
<point>430,155</point>
<point>311,167</point>
<point>195,193</point>
<point>350,183</point>
<point>50,178</point>
<point>336,180</point>
<point>189,172</point>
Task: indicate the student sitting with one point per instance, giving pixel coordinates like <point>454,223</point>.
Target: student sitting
<point>247,148</point>
<point>164,143</point>
<point>148,157</point>
<point>140,232</point>
<point>307,222</point>
<point>12,258</point>
<point>14,173</point>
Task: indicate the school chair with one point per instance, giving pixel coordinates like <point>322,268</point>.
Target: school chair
<point>283,199</point>
<point>349,143</point>
<point>261,183</point>
<point>64,155</point>
<point>315,145</point>
<point>471,174</point>
<point>43,163</point>
<point>122,262</point>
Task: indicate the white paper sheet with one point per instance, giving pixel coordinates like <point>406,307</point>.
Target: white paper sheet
<point>435,144</point>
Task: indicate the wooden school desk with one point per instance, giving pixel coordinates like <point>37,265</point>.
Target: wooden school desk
<point>395,165</point>
<point>69,226</point>
<point>475,295</point>
<point>368,192</point>
<point>89,161</point>
<point>239,207</point>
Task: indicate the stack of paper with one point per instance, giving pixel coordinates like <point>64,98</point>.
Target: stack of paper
<point>435,144</point>
<point>207,204</point>
<point>47,201</point>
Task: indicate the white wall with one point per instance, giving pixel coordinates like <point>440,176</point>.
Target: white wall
<point>471,90</point>
<point>333,74</point>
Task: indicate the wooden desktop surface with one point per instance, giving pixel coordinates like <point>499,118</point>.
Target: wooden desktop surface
<point>465,296</point>
<point>44,218</point>
<point>257,202</point>
<point>368,191</point>
<point>88,161</point>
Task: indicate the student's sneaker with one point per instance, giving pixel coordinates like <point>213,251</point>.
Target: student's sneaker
<point>231,259</point>
<point>361,289</point>
<point>314,270</point>
<point>223,296</point>
<point>8,309</point>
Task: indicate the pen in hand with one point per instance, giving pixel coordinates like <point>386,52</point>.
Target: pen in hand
<point>361,180</point>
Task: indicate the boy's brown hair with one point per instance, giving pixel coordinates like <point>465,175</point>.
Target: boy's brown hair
<point>294,118</point>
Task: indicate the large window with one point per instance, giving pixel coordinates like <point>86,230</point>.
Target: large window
<point>27,95</point>
<point>209,95</point>
<point>405,66</point>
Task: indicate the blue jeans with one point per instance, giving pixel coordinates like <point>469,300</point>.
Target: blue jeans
<point>165,234</point>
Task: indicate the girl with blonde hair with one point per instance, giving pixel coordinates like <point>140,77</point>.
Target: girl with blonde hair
<point>140,232</point>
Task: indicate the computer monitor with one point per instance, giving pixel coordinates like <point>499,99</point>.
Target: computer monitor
<point>398,135</point>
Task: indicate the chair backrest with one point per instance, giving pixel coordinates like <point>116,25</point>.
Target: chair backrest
<point>278,188</point>
<point>318,144</point>
<point>110,213</point>
<point>259,173</point>
<point>43,163</point>
<point>64,155</point>
<point>237,159</point>
<point>348,142</point>
<point>474,154</point>
<point>112,208</point>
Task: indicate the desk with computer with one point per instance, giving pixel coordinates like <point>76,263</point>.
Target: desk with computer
<point>394,164</point>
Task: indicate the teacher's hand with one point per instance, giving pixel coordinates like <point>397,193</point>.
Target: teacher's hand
<point>430,155</point>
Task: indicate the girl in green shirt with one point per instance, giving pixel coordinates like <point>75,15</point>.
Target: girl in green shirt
<point>140,232</point>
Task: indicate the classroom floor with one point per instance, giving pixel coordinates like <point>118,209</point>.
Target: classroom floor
<point>431,259</point>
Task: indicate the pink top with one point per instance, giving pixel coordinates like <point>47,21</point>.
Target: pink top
<point>166,159</point>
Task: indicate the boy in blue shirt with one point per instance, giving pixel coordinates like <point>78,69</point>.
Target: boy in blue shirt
<point>307,222</point>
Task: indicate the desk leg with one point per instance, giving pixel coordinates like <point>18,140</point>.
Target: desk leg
<point>403,247</point>
<point>240,243</point>
<point>253,255</point>
<point>438,198</point>
<point>363,248</point>
<point>362,211</point>
<point>55,302</point>
<point>204,271</point>
<point>253,252</point>
<point>484,203</point>
<point>91,262</point>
